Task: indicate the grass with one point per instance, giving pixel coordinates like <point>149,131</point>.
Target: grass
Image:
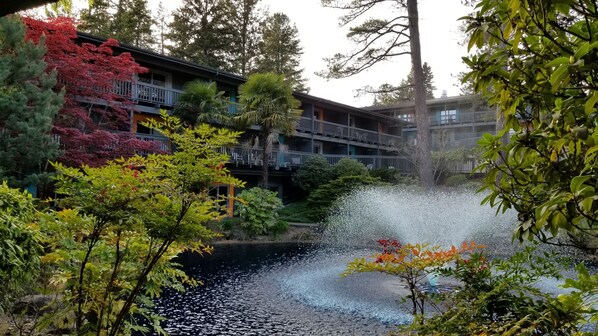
<point>296,213</point>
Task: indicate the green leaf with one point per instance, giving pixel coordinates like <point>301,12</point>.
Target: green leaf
<point>586,204</point>
<point>577,182</point>
<point>557,61</point>
<point>558,76</point>
<point>582,51</point>
<point>591,102</point>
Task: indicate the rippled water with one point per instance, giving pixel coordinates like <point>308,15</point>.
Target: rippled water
<point>281,289</point>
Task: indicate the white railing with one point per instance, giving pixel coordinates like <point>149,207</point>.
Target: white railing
<point>293,159</point>
<point>339,131</point>
<point>162,142</point>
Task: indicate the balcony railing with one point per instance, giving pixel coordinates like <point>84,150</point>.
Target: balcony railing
<point>162,142</point>
<point>147,93</point>
<point>461,118</point>
<point>294,159</point>
<point>339,131</point>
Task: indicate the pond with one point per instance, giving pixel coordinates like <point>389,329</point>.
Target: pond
<point>281,289</point>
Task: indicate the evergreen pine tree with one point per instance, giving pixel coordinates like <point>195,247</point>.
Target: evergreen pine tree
<point>246,23</point>
<point>28,106</point>
<point>132,23</point>
<point>128,21</point>
<point>202,31</point>
<point>96,19</point>
<point>279,50</point>
<point>388,94</point>
<point>160,27</point>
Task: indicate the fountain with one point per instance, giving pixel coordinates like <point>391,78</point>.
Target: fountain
<point>290,289</point>
<point>443,217</point>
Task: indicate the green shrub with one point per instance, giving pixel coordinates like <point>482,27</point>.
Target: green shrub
<point>19,244</point>
<point>385,174</point>
<point>228,223</point>
<point>409,180</point>
<point>314,172</point>
<point>280,227</point>
<point>349,167</point>
<point>456,180</point>
<point>259,210</point>
<point>296,212</point>
<point>322,200</point>
<point>500,297</point>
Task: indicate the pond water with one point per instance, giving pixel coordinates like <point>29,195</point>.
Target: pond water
<point>281,289</point>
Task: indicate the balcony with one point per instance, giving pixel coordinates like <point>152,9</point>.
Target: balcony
<point>249,157</point>
<point>464,118</point>
<point>147,93</point>
<point>333,130</point>
<point>157,95</point>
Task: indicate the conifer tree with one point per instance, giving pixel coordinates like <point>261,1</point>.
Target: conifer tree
<point>279,50</point>
<point>388,94</point>
<point>96,18</point>
<point>128,21</point>
<point>246,21</point>
<point>28,106</point>
<point>160,26</point>
<point>201,32</point>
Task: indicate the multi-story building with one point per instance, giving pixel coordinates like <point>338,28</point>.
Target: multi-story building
<point>457,121</point>
<point>327,128</point>
<point>373,135</point>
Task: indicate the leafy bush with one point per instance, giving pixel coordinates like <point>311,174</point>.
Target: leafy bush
<point>349,167</point>
<point>501,297</point>
<point>280,227</point>
<point>296,212</point>
<point>259,210</point>
<point>321,201</point>
<point>19,244</point>
<point>314,172</point>
<point>455,180</point>
<point>385,174</point>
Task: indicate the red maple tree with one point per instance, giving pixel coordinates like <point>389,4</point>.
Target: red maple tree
<point>94,124</point>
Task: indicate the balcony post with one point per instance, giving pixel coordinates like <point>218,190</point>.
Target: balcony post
<point>310,109</point>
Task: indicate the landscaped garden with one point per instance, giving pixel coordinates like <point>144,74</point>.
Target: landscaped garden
<point>129,237</point>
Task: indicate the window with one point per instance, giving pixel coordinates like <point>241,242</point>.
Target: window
<point>405,117</point>
<point>153,78</point>
<point>142,129</point>
<point>448,116</point>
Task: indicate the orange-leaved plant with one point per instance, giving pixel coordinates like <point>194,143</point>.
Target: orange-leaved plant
<point>411,263</point>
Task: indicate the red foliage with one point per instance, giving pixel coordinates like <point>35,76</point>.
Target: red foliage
<point>94,124</point>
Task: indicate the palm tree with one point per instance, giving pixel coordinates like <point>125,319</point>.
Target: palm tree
<point>201,102</point>
<point>267,101</point>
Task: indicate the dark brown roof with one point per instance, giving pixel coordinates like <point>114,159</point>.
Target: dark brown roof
<point>13,6</point>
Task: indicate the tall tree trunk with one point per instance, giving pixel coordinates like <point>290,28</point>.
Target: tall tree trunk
<point>422,121</point>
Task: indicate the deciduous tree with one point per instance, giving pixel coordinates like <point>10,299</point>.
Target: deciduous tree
<point>28,106</point>
<point>381,39</point>
<point>112,249</point>
<point>535,65</point>
<point>94,124</point>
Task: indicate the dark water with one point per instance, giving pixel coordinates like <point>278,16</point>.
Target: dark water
<point>280,289</point>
